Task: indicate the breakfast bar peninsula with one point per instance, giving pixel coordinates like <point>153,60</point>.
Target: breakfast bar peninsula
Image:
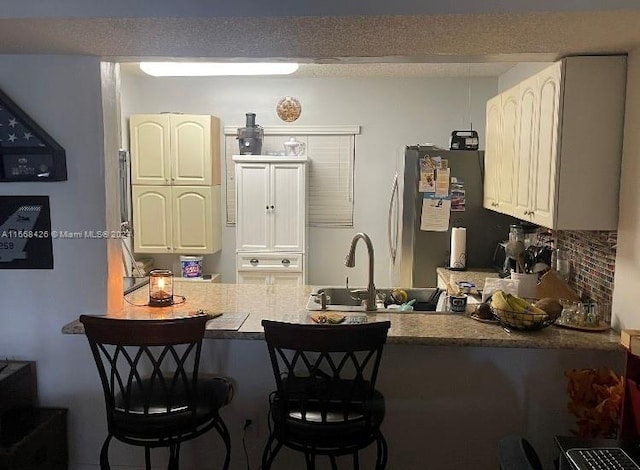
<point>446,378</point>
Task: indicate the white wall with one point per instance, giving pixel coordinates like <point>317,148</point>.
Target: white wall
<point>627,275</point>
<point>392,112</point>
<point>519,73</point>
<point>62,95</point>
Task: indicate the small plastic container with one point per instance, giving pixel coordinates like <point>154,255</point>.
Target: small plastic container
<point>191,266</point>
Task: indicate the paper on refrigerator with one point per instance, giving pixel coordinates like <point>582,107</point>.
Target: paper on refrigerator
<point>435,213</point>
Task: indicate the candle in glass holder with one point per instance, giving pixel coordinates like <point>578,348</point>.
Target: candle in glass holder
<point>160,288</point>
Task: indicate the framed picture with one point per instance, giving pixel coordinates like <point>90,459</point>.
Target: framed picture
<point>25,233</point>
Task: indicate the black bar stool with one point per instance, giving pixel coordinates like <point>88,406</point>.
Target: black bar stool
<point>325,402</point>
<point>153,392</point>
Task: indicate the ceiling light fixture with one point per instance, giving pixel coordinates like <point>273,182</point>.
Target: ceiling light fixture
<point>205,69</point>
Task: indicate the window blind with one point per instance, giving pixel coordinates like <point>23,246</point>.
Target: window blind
<point>330,184</point>
<point>330,175</point>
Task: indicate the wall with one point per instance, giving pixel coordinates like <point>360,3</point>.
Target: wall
<point>518,73</point>
<point>392,112</point>
<point>625,293</point>
<point>593,262</point>
<point>62,95</point>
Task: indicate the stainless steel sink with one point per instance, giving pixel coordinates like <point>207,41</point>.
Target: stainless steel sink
<point>342,299</point>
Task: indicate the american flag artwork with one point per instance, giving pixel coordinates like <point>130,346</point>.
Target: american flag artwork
<point>14,133</point>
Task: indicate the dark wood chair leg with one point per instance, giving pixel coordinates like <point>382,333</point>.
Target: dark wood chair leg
<point>332,459</point>
<point>104,454</point>
<point>356,461</point>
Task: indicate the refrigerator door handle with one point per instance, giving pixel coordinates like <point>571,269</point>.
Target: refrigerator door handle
<point>393,243</point>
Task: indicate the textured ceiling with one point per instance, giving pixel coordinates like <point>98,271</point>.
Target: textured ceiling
<point>440,39</point>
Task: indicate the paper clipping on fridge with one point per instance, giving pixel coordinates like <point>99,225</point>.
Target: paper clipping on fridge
<point>458,194</point>
<point>435,213</point>
<point>442,182</point>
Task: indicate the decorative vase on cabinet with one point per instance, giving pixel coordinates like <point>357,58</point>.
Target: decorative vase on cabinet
<point>271,219</point>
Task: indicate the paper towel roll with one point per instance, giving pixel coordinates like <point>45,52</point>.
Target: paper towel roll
<point>458,248</point>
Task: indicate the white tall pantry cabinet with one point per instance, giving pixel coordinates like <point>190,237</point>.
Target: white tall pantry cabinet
<point>175,177</point>
<point>271,219</point>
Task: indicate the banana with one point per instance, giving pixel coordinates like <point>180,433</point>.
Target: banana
<point>518,304</point>
<point>498,300</point>
<point>521,305</point>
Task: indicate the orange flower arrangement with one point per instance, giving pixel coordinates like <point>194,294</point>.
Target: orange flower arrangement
<point>595,398</point>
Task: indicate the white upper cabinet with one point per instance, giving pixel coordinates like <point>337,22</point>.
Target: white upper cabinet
<point>175,149</point>
<point>178,219</point>
<point>568,144</point>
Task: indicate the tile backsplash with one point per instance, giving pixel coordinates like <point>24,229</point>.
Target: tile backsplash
<point>592,257</point>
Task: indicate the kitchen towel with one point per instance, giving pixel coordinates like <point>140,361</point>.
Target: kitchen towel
<point>458,248</point>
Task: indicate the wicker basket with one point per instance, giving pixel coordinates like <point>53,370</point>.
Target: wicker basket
<point>522,320</point>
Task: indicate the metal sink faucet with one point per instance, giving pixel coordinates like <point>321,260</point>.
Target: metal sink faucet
<point>350,262</point>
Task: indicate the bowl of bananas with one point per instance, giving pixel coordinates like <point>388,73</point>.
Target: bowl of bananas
<point>519,314</point>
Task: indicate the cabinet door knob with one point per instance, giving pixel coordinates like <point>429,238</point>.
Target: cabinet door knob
<point>254,261</point>
<point>267,207</point>
<point>271,207</point>
<point>286,262</point>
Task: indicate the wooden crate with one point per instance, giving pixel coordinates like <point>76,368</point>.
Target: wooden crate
<point>34,439</point>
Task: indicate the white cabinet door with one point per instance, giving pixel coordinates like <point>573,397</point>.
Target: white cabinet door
<point>270,278</point>
<point>253,207</point>
<point>176,219</point>
<point>192,220</point>
<point>527,147</point>
<point>508,149</point>
<point>287,207</point>
<point>270,207</point>
<point>150,148</point>
<point>175,149</point>
<point>492,153</point>
<point>152,226</point>
<point>287,279</point>
<point>546,161</point>
<point>254,277</point>
<point>191,150</point>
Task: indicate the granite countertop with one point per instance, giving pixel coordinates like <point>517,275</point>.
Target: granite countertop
<point>476,275</point>
<point>285,303</point>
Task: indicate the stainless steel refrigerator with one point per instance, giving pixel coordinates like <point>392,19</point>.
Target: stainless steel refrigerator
<point>415,254</point>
